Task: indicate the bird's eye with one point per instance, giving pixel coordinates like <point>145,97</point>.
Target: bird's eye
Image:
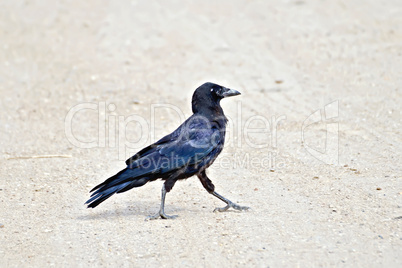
<point>212,89</point>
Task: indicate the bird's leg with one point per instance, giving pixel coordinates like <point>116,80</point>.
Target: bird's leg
<point>161,212</point>
<point>210,187</point>
<point>229,203</point>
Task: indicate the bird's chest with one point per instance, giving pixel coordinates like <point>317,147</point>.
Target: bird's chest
<point>217,142</point>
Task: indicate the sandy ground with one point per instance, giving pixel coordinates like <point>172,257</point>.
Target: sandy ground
<point>314,144</point>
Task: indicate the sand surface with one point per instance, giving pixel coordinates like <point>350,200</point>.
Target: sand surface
<point>314,141</point>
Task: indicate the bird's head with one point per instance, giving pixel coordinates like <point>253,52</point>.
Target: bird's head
<point>208,95</point>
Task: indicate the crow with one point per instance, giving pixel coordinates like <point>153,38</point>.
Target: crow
<point>187,151</point>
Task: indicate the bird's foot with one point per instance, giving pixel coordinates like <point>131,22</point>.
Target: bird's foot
<point>231,205</point>
<point>162,215</point>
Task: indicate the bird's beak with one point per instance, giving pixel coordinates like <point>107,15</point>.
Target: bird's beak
<point>229,92</point>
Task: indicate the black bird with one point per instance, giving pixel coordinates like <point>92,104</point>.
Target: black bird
<point>187,151</point>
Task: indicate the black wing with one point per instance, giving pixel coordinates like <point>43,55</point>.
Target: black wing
<point>151,148</point>
<point>187,145</point>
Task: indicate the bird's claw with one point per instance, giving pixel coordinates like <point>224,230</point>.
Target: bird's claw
<point>231,205</point>
<point>162,215</point>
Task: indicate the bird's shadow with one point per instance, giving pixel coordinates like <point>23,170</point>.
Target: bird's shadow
<point>141,209</point>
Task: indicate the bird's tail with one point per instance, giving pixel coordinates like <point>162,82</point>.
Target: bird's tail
<point>119,183</point>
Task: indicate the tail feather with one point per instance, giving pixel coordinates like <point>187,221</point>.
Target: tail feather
<point>121,182</point>
<point>100,196</point>
<point>136,183</point>
<point>119,178</point>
